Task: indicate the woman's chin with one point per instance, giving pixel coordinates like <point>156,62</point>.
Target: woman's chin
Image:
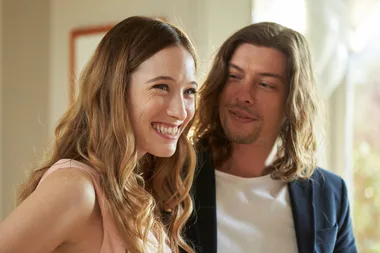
<point>164,151</point>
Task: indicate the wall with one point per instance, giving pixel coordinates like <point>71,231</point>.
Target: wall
<point>25,83</point>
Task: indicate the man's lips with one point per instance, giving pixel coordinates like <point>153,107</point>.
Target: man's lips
<point>243,114</point>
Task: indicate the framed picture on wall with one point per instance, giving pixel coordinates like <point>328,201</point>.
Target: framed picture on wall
<point>83,42</point>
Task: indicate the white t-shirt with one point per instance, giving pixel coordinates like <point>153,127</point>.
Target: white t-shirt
<point>254,215</point>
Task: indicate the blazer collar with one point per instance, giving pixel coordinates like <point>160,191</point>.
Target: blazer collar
<point>205,202</point>
<point>302,201</point>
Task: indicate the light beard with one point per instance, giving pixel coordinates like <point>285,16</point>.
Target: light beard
<point>241,138</point>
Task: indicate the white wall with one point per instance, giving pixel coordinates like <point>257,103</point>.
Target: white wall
<point>341,129</point>
<point>25,61</point>
<point>216,20</point>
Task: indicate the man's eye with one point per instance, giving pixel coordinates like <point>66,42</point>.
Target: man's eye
<point>233,76</point>
<point>265,85</point>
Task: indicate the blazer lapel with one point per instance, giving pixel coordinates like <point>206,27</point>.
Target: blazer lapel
<point>205,203</point>
<point>302,201</point>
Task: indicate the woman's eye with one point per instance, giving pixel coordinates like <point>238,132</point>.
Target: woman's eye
<point>191,91</point>
<point>164,87</point>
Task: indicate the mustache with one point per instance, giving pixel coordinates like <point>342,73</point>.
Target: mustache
<point>243,108</point>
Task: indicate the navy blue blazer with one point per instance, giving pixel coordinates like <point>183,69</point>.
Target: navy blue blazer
<point>320,210</point>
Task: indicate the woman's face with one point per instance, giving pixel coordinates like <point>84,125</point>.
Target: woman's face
<point>162,100</point>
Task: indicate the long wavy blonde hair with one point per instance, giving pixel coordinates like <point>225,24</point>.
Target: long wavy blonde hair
<point>146,194</point>
<point>296,151</point>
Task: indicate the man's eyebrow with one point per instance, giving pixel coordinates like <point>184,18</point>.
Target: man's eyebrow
<point>265,74</point>
<point>231,65</point>
<point>274,75</point>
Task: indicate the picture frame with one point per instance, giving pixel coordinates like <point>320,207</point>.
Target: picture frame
<point>83,42</point>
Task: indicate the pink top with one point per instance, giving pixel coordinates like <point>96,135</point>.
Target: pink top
<point>111,238</point>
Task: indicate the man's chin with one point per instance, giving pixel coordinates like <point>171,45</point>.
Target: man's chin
<point>238,138</point>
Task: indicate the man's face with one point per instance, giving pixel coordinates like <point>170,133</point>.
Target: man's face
<point>252,102</point>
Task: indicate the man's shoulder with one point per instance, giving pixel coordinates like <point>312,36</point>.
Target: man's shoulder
<point>325,182</point>
<point>325,178</point>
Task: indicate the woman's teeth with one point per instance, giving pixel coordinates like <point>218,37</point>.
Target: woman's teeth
<point>173,131</point>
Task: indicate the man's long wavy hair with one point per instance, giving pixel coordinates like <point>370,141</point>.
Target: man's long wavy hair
<point>296,150</point>
<point>146,194</point>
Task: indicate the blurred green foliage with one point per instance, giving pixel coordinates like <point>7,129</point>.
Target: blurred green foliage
<point>366,204</point>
